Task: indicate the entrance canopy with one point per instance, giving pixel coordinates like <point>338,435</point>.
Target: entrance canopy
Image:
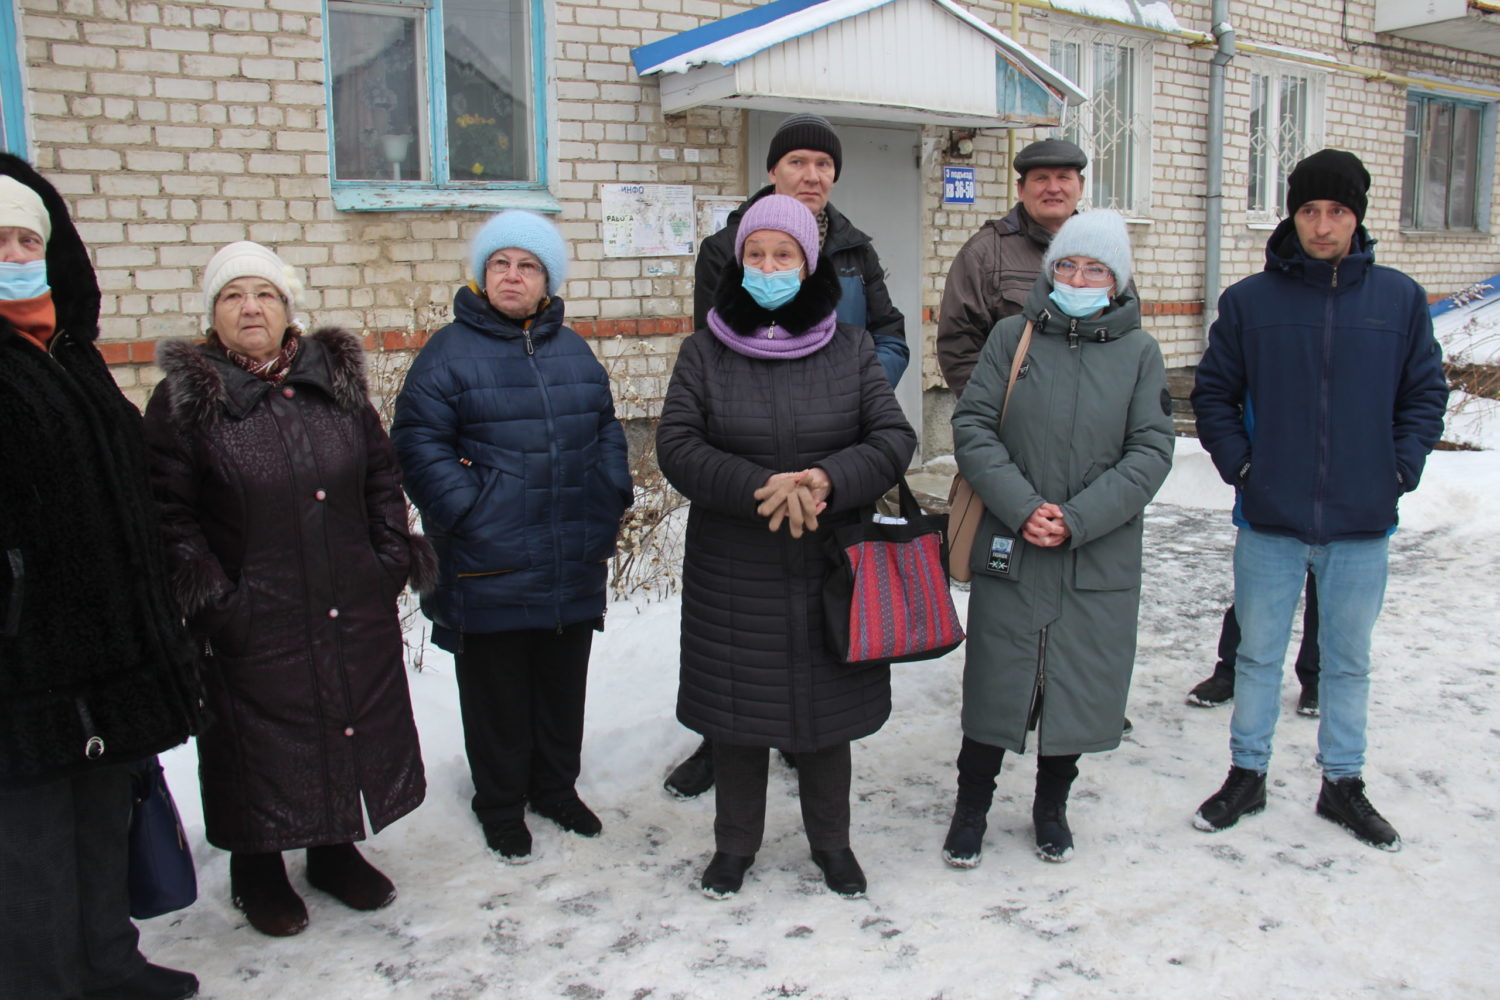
<point>925,62</point>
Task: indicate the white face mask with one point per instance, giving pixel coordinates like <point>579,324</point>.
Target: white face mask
<point>22,281</point>
<point>1079,302</point>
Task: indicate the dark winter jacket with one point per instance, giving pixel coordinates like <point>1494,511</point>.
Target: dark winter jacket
<point>1052,630</point>
<point>95,668</point>
<point>864,301</point>
<point>756,669</point>
<point>288,534</point>
<point>1321,392</point>
<point>990,279</point>
<point>508,437</point>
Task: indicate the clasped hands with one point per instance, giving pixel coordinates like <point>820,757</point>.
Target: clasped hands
<point>1045,527</point>
<point>796,498</point>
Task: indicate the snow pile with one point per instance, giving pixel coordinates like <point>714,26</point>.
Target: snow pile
<point>1284,905</point>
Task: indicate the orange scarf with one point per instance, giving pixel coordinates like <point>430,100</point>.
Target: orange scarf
<point>35,319</point>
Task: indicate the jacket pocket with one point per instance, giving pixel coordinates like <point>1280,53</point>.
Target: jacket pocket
<point>1112,562</point>
<point>14,568</point>
<point>492,537</point>
<point>603,510</point>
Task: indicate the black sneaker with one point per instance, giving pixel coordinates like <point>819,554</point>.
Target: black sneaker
<point>725,874</point>
<point>1343,802</point>
<point>1307,702</point>
<point>841,872</point>
<point>1127,727</point>
<point>510,839</point>
<point>570,814</point>
<point>1215,691</point>
<point>1054,841</point>
<point>1243,794</point>
<point>965,841</point>
<point>153,982</point>
<point>693,776</point>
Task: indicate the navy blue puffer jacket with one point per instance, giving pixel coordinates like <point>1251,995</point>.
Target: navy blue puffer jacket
<point>1321,392</point>
<point>510,448</point>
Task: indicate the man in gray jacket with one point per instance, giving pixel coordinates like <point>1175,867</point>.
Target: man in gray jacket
<point>993,273</point>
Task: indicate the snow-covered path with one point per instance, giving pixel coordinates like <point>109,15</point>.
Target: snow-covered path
<point>1285,905</point>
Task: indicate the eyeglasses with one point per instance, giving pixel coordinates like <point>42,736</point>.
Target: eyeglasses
<point>1093,274</point>
<point>523,268</point>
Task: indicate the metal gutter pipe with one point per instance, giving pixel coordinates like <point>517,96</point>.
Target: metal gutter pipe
<point>1213,231</point>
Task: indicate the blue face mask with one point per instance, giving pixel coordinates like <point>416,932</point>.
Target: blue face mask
<point>774,290</point>
<point>1079,302</point>
<point>22,281</point>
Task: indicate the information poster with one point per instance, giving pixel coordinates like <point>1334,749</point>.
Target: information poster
<point>648,220</point>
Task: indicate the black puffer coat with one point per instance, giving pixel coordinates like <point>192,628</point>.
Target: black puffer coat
<point>91,647</point>
<point>288,531</point>
<point>756,669</point>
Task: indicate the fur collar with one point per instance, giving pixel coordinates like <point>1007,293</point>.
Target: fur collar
<point>206,385</point>
<point>818,296</point>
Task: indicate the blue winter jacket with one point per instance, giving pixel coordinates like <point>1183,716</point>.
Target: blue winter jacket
<point>510,448</point>
<point>1321,392</point>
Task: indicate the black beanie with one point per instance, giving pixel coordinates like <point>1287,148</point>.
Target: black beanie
<point>806,132</point>
<point>1332,174</point>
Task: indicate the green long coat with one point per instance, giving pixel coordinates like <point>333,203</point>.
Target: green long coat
<point>1052,630</point>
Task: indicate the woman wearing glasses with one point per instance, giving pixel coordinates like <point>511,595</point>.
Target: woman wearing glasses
<point>1086,443</point>
<point>507,436</point>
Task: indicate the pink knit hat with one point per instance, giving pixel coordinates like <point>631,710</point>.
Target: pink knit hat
<point>784,214</point>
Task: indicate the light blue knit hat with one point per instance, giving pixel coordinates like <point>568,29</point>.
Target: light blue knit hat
<point>1100,234</point>
<point>525,231</point>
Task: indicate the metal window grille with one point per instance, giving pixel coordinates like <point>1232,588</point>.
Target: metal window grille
<point>1114,126</point>
<point>1285,116</point>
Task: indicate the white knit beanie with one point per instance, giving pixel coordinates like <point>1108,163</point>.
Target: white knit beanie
<point>22,207</point>
<point>249,260</point>
<point>1100,234</point>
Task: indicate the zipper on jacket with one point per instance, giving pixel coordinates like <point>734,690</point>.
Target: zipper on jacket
<point>556,488</point>
<point>1072,333</point>
<point>93,744</point>
<point>1321,469</point>
<point>530,347</point>
<point>1034,710</point>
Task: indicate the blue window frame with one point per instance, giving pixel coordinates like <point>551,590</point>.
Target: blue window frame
<point>437,104</point>
<point>12,91</point>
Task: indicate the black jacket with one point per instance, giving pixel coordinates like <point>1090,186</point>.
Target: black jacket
<point>95,668</point>
<point>865,302</point>
<point>755,667</point>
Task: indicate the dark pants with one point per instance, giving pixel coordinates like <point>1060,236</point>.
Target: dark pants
<point>979,766</point>
<point>64,905</point>
<point>823,779</point>
<point>1307,653</point>
<point>522,695</point>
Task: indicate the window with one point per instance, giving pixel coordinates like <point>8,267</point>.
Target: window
<point>1444,177</point>
<point>436,103</point>
<point>12,92</point>
<point>1286,124</point>
<point>1114,126</point>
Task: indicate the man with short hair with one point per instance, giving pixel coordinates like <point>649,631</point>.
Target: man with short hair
<point>804,161</point>
<point>1319,398</point>
<point>993,273</point>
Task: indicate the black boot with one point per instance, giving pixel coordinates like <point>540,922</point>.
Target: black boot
<point>841,871</point>
<point>1343,802</point>
<point>964,845</point>
<point>153,982</point>
<point>259,889</point>
<point>693,776</point>
<point>571,814</point>
<point>1049,809</point>
<point>510,839</point>
<point>342,872</point>
<point>1242,794</point>
<point>725,874</point>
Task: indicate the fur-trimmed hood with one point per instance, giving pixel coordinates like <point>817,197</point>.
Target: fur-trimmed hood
<point>206,386</point>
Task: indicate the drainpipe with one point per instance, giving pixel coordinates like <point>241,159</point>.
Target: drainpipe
<point>1213,239</point>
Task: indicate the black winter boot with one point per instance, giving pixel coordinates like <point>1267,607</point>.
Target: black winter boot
<point>725,874</point>
<point>152,982</point>
<point>841,872</point>
<point>693,776</point>
<point>1242,794</point>
<point>342,872</point>
<point>1049,810</point>
<point>1343,802</point>
<point>259,889</point>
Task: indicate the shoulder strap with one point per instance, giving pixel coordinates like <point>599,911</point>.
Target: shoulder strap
<point>1015,368</point>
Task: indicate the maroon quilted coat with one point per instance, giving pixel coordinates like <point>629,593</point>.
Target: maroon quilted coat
<point>288,536</point>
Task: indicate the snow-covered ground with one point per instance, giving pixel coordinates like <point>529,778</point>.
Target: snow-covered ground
<point>1284,905</point>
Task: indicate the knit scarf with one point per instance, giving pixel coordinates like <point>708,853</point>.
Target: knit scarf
<point>774,341</point>
<point>274,370</point>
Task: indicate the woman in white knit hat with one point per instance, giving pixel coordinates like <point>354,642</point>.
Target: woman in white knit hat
<point>288,536</point>
<point>1085,443</point>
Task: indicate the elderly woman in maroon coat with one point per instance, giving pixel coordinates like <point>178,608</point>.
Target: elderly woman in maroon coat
<point>289,540</point>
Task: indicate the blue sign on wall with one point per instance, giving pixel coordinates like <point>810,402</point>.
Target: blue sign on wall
<point>958,185</point>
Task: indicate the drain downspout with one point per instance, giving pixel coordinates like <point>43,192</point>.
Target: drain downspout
<point>1213,232</point>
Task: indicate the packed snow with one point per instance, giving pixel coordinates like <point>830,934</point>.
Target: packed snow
<point>1284,905</point>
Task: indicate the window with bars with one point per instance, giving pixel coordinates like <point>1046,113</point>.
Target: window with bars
<point>1114,126</point>
<point>434,97</point>
<point>1444,173</point>
<point>1286,125</point>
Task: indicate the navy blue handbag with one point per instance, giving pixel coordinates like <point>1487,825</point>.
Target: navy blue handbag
<point>162,877</point>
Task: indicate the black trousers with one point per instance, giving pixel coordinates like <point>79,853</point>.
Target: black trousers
<point>823,779</point>
<point>64,904</point>
<point>1307,653</point>
<point>521,695</point>
<point>979,766</point>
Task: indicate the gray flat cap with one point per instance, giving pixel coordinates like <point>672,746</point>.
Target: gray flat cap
<point>1050,153</point>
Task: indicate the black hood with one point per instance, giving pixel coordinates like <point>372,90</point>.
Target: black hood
<point>75,289</point>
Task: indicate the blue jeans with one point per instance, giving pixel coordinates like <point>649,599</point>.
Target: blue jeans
<point>1268,574</point>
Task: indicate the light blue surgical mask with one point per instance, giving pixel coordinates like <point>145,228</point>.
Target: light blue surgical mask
<point>1079,302</point>
<point>22,281</point>
<point>772,290</point>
